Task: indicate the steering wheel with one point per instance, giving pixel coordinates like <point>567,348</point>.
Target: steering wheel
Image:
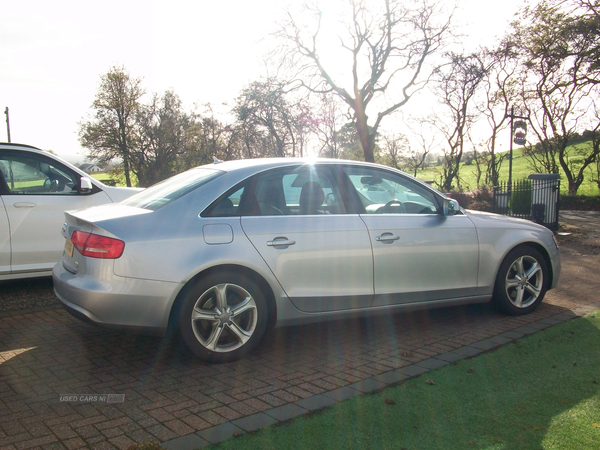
<point>393,206</point>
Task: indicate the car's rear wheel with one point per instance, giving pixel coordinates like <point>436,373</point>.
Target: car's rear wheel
<point>522,281</point>
<point>223,317</point>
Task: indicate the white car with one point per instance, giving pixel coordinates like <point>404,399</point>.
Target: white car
<point>36,188</point>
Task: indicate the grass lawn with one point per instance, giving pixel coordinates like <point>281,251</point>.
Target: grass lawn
<point>118,180</point>
<point>540,392</point>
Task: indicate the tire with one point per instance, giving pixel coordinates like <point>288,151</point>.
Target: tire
<point>522,281</point>
<point>223,317</point>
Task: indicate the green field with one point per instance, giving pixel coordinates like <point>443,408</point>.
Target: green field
<point>521,170</point>
<point>540,392</point>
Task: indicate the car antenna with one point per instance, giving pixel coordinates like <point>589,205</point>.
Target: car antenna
<point>216,160</point>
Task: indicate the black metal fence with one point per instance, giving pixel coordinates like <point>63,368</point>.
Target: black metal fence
<point>536,199</point>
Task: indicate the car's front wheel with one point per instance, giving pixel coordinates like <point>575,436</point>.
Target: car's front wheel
<point>223,317</point>
<point>521,282</point>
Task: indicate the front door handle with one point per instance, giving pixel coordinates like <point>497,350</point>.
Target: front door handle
<point>24,205</point>
<point>387,238</point>
<point>280,242</point>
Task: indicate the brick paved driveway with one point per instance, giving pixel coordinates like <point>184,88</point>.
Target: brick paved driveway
<point>173,398</point>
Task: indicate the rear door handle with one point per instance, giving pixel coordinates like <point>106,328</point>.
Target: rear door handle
<point>280,242</point>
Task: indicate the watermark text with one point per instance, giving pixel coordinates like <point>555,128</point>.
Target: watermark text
<point>88,398</point>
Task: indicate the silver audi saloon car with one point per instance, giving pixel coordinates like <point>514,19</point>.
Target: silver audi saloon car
<point>224,252</point>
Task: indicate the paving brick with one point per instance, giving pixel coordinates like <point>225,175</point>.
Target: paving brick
<point>179,427</point>
<point>63,431</point>
<point>161,433</point>
<point>228,413</point>
<point>195,422</point>
<point>112,432</point>
<point>37,442</point>
<point>141,436</point>
<point>212,417</point>
<point>271,400</point>
<point>160,414</point>
<point>122,442</point>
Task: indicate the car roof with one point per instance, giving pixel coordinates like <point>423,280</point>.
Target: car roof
<point>14,146</point>
<point>267,163</point>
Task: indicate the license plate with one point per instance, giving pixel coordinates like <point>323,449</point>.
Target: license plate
<point>69,247</point>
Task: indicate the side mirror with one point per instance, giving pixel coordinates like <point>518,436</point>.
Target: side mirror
<point>85,185</point>
<point>451,207</point>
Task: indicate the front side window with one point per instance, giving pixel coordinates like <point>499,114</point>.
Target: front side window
<point>383,192</point>
<point>30,174</point>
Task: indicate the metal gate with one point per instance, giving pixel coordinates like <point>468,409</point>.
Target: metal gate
<point>536,199</point>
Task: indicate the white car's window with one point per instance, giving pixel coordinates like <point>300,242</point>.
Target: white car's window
<point>383,192</point>
<point>27,174</point>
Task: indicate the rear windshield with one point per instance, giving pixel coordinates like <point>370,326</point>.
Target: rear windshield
<point>171,189</point>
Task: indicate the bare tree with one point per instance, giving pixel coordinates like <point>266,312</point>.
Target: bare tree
<point>328,120</point>
<point>388,47</point>
<point>207,137</point>
<point>500,89</point>
<point>272,119</point>
<point>395,148</point>
<point>113,132</point>
<point>456,85</point>
<point>163,133</point>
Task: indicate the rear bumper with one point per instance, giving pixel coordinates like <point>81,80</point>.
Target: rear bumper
<point>122,303</point>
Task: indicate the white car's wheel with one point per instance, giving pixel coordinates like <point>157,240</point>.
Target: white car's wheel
<point>223,317</point>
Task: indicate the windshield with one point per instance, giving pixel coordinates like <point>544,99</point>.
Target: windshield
<point>171,189</point>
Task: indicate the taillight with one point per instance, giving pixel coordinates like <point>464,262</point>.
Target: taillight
<point>96,246</point>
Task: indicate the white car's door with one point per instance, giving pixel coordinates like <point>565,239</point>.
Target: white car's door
<point>321,255</point>
<point>4,241</point>
<point>419,254</point>
<point>36,191</point>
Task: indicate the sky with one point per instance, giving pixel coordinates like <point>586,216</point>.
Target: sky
<point>53,53</point>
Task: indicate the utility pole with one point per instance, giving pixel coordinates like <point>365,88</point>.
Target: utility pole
<point>7,124</point>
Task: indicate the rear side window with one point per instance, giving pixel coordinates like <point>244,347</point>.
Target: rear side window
<point>289,191</point>
<point>227,205</point>
<point>165,192</point>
